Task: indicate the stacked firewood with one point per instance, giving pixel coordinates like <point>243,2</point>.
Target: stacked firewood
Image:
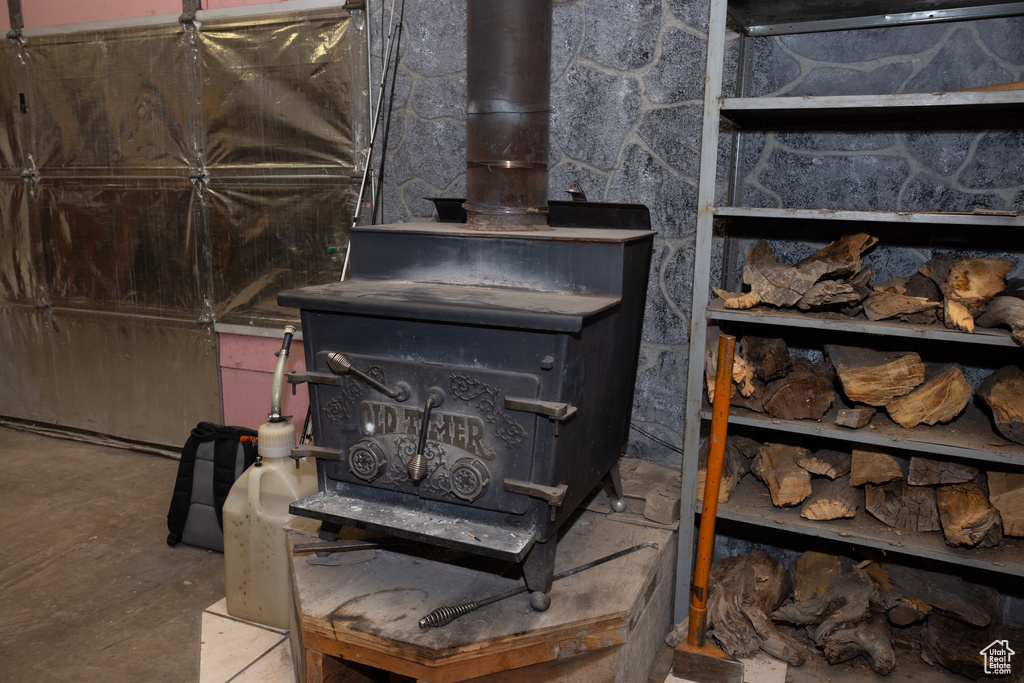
<point>970,507</point>
<point>841,609</point>
<point>959,291</point>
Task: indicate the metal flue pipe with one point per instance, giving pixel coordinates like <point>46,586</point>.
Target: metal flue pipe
<point>508,103</point>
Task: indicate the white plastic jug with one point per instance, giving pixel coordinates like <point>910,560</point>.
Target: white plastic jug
<point>256,572</point>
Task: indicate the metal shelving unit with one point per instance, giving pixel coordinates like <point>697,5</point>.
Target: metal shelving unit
<point>970,436</point>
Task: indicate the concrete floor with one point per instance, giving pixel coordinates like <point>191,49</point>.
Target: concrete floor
<point>89,588</point>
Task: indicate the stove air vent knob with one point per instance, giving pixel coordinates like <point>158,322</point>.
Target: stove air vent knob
<point>469,478</point>
<point>367,460</point>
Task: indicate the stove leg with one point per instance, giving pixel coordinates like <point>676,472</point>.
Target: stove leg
<point>329,531</point>
<point>613,486</point>
<point>539,572</point>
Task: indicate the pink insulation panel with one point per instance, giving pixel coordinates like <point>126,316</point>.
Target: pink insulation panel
<point>247,375</point>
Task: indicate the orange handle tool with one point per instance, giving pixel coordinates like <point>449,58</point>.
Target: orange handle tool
<point>698,626</point>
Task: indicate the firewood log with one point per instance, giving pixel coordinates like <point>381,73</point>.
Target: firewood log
<point>869,638</point>
<point>806,393</point>
<point>885,305</point>
<point>737,300</point>
<point>896,285</point>
<point>829,294</point>
<point>844,603</point>
<point>955,316</point>
<point>746,391</point>
<point>1003,393</point>
<point>907,508</point>
<point>734,466</point>
<point>840,259</point>
<point>974,282</point>
<point>832,499</point>
<point>854,418</point>
<point>768,357</point>
<point>875,378</point>
<point>944,594</point>
<point>772,281</point>
<point>813,572</point>
<point>743,591</point>
<point>939,399</point>
<point>775,465</point>
<point>828,463</point>
<point>1006,493</point>
<point>920,286</point>
<point>928,472</point>
<point>967,516</point>
<point>870,465</point>
<point>1005,311</point>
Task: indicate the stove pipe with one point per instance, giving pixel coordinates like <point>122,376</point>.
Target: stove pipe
<point>508,100</point>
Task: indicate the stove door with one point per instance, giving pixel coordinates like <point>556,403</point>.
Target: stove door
<point>473,442</point>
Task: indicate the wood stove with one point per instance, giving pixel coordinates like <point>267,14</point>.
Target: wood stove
<point>472,383</point>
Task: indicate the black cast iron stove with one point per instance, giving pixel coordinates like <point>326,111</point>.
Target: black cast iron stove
<point>472,383</point>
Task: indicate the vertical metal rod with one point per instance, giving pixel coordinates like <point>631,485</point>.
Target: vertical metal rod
<point>701,289</point>
<point>17,19</point>
<point>698,625</point>
<point>373,135</point>
<point>369,95</point>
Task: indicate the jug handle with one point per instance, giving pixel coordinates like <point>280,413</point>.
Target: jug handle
<point>255,474</point>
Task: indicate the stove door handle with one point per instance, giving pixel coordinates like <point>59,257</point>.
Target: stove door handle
<point>556,411</point>
<point>339,364</point>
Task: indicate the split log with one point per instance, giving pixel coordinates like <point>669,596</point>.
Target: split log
<point>938,268</point>
<point>908,611</point>
<point>1006,493</point>
<point>744,444</point>
<point>844,603</point>
<point>813,572</point>
<point>840,259</point>
<point>928,472</point>
<point>854,418</point>
<point>907,508</point>
<point>955,316</point>
<point>828,463</point>
<point>1003,393</point>
<point>939,399</point>
<point>974,282</point>
<point>768,356</point>
<point>967,516</point>
<point>737,300</point>
<point>742,375</point>
<point>775,465</point>
<point>734,466</point>
<point>832,499</point>
<point>772,281</point>
<point>869,465</point>
<point>896,285</point>
<point>885,305</point>
<point>804,394</point>
<point>872,377</point>
<point>1005,311</point>
<point>744,591</point>
<point>869,638</point>
<point>829,294</point>
<point>943,594</point>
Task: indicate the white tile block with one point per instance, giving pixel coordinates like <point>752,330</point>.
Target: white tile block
<point>228,646</point>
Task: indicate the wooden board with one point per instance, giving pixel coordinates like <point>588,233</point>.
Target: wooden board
<point>369,613</point>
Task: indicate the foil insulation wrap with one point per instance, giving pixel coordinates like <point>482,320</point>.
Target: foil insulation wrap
<point>155,180</point>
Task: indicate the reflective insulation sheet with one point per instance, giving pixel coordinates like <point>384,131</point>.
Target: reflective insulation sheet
<point>14,111</point>
<point>128,245</point>
<point>21,267</point>
<point>273,235</point>
<point>111,101</point>
<point>141,378</point>
<point>279,93</point>
<point>174,174</point>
